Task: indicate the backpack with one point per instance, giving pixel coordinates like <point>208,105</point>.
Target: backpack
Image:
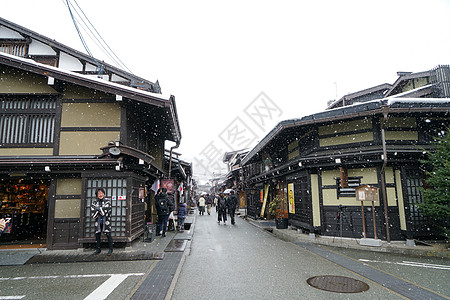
<point>222,203</point>
<point>163,206</point>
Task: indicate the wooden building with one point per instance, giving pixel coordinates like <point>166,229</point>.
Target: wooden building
<point>315,163</point>
<point>69,126</point>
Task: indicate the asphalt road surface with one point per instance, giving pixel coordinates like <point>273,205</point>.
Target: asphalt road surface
<point>245,262</point>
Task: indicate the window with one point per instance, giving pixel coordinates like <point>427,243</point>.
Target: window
<point>116,189</point>
<point>27,121</point>
<point>346,185</point>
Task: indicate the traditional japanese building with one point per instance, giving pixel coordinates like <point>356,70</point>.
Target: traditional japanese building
<point>69,125</point>
<point>317,162</point>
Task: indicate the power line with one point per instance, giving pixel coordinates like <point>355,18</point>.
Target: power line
<point>94,36</point>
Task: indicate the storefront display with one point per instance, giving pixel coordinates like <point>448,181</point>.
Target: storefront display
<point>25,203</point>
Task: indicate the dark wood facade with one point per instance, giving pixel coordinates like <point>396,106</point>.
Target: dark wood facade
<point>63,134</point>
<point>325,156</point>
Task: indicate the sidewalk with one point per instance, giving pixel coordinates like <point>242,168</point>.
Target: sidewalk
<point>139,250</point>
<point>292,235</point>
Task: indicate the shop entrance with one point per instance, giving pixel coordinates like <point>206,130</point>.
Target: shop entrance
<point>25,202</point>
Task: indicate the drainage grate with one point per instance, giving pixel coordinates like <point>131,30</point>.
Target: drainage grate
<point>338,284</point>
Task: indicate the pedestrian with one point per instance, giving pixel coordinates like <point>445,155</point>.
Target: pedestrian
<point>201,205</point>
<point>231,205</point>
<point>208,204</point>
<point>182,213</point>
<point>216,199</point>
<point>222,209</point>
<point>101,212</point>
<point>164,206</point>
<point>3,223</point>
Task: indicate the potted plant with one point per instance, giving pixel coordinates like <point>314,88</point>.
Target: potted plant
<point>276,211</point>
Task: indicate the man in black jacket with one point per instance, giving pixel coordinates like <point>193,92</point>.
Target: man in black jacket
<point>231,205</point>
<point>164,206</point>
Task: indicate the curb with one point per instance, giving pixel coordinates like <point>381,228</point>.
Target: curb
<point>294,237</point>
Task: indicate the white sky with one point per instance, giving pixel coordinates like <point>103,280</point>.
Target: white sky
<point>217,57</point>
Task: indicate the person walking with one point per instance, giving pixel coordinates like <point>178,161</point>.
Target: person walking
<point>164,206</point>
<point>216,199</point>
<point>181,216</point>
<point>231,205</point>
<point>208,204</point>
<point>201,205</point>
<point>222,209</point>
<point>101,212</point>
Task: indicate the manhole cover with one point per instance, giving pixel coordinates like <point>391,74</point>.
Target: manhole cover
<point>338,284</point>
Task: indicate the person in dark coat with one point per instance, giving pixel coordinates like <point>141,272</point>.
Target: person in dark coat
<point>101,212</point>
<point>164,206</point>
<point>181,216</point>
<point>222,209</point>
<point>231,205</point>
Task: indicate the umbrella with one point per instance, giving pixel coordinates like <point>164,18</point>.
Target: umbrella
<point>227,191</point>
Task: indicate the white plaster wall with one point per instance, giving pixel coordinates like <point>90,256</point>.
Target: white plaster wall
<point>90,67</point>
<point>70,63</point>
<point>6,33</point>
<point>116,78</point>
<point>38,48</point>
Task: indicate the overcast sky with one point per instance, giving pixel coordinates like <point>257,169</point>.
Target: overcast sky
<point>224,60</point>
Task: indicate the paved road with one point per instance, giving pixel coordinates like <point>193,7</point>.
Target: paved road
<point>72,280</point>
<point>245,262</point>
<point>429,272</point>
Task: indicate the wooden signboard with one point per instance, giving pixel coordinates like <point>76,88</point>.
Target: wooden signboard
<point>367,193</point>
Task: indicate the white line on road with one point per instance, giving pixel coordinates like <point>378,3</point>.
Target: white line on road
<point>410,263</point>
<point>69,276</point>
<point>103,291</point>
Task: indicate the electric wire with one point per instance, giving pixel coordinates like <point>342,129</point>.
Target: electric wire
<point>93,36</point>
<point>99,41</point>
<point>106,44</point>
<point>81,38</point>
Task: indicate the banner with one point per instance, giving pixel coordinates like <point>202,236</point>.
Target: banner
<point>291,198</point>
<point>169,184</point>
<point>266,193</point>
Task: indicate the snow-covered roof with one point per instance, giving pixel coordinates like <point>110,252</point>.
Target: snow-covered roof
<point>351,111</point>
<point>89,78</point>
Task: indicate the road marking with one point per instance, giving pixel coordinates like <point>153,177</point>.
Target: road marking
<point>410,263</point>
<point>69,276</point>
<point>101,292</point>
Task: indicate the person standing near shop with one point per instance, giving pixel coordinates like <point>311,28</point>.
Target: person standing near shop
<point>3,223</point>
<point>101,212</point>
<point>164,206</point>
<point>231,205</point>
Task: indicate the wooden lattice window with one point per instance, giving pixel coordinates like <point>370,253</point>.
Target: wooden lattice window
<point>27,121</point>
<point>14,47</point>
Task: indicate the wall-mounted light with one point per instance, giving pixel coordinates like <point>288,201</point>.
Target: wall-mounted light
<point>338,160</point>
<point>299,163</point>
<point>118,98</point>
<point>47,168</point>
<point>51,81</point>
<point>141,161</point>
